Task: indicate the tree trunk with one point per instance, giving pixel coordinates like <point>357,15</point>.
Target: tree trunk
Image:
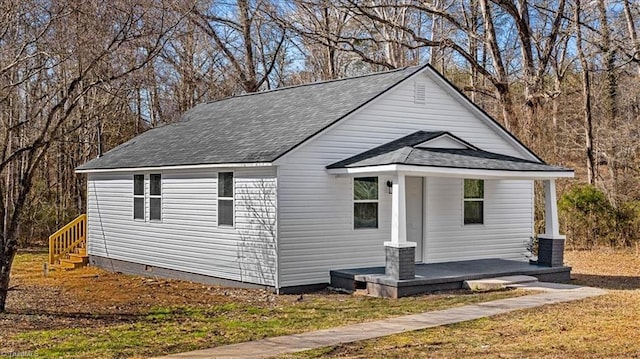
<point>586,93</point>
<point>6,260</point>
<point>631,28</point>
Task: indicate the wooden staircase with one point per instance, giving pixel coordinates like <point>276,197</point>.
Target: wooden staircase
<point>68,246</point>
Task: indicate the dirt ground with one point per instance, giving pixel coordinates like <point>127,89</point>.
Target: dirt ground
<point>93,297</point>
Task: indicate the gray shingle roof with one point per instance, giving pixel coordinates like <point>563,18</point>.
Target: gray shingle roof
<point>256,127</point>
<point>403,151</point>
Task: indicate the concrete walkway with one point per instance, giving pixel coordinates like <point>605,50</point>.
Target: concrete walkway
<point>553,293</point>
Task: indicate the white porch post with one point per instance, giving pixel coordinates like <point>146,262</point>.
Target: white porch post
<point>398,211</point>
<point>551,243</point>
<point>551,209</point>
<point>399,254</point>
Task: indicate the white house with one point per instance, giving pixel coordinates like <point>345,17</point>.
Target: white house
<point>278,188</point>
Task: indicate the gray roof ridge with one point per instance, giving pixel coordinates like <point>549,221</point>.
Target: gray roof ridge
<point>322,82</point>
<point>402,154</point>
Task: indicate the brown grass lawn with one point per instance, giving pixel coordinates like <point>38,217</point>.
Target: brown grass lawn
<point>601,327</point>
<point>90,313</point>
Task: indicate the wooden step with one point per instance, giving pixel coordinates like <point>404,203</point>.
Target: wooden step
<point>72,263</point>
<point>76,258</point>
<point>81,251</point>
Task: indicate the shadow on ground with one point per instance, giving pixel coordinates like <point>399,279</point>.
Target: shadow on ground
<point>608,281</point>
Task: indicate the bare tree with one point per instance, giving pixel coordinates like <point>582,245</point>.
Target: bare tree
<point>251,43</point>
<point>586,93</point>
<point>44,83</point>
<point>633,34</point>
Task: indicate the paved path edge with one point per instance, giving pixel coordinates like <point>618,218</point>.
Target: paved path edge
<point>552,293</point>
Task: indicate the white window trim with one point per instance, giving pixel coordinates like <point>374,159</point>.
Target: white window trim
<point>143,196</point>
<point>474,200</point>
<point>156,196</point>
<point>232,199</point>
<point>354,201</point>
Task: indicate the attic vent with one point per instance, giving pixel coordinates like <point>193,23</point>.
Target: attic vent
<point>419,92</point>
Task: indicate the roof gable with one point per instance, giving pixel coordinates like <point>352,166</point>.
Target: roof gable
<point>409,150</point>
<point>445,141</point>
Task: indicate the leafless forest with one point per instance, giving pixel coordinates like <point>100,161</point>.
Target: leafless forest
<point>79,77</point>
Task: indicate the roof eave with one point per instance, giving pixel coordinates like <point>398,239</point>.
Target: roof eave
<point>175,167</point>
<point>452,172</point>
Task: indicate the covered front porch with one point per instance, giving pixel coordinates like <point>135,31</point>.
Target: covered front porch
<point>442,156</point>
<point>441,276</point>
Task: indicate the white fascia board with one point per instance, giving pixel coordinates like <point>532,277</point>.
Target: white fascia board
<point>466,102</point>
<point>426,171</point>
<point>180,167</point>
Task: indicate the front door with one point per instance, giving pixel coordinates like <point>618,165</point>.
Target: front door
<point>414,186</point>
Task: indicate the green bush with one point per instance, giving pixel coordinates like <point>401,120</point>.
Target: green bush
<point>627,217</point>
<point>589,219</point>
<point>587,215</point>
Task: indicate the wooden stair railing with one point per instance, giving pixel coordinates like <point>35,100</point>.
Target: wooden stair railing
<point>69,241</point>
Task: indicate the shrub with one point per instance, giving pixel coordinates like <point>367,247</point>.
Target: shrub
<point>587,215</point>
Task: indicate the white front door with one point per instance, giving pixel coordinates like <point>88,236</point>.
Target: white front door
<point>414,186</point>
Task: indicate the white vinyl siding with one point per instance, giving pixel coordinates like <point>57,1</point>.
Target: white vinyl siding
<point>188,238</point>
<point>508,225</point>
<point>315,209</point>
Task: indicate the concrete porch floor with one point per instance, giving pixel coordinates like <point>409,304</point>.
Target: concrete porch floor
<point>441,276</point>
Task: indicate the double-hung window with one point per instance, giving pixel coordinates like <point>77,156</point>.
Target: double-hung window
<point>225,198</point>
<point>365,202</point>
<point>473,201</point>
<point>138,197</point>
<point>155,197</point>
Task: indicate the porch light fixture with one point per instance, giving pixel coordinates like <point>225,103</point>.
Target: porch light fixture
<point>390,187</point>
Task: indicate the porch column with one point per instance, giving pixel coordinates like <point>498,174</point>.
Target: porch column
<point>399,254</point>
<point>551,243</point>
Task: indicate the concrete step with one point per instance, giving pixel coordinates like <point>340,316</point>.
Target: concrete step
<point>497,283</point>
